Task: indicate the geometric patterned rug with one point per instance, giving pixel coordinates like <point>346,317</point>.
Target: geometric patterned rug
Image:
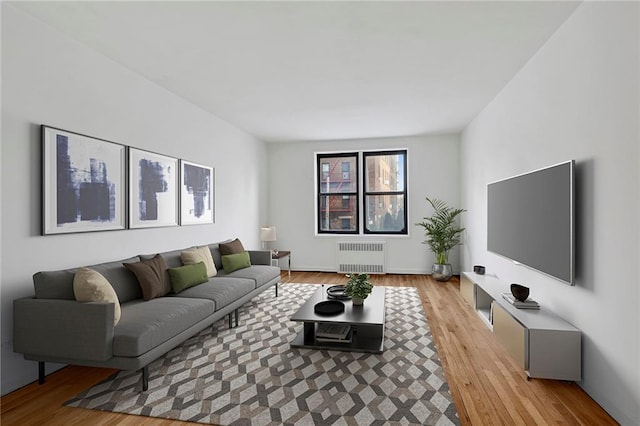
<point>249,375</point>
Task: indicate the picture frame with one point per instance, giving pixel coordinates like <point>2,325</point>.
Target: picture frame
<point>153,189</point>
<point>197,184</point>
<point>83,183</point>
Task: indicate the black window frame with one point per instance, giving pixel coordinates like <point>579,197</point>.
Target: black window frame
<point>359,177</point>
<point>365,192</point>
<point>320,194</point>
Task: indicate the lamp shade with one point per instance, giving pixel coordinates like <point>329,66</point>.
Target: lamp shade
<point>268,233</point>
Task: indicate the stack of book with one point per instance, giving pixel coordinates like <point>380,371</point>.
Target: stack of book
<point>527,304</point>
<point>330,332</point>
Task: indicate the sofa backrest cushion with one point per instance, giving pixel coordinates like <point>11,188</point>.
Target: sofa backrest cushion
<point>172,258</point>
<point>217,257</point>
<point>59,284</point>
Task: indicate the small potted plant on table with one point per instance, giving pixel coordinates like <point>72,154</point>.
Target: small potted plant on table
<point>358,288</point>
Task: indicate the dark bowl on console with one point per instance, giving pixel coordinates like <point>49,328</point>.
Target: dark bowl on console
<point>520,292</point>
<point>479,269</point>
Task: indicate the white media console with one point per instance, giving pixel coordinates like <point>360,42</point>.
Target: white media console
<point>543,344</point>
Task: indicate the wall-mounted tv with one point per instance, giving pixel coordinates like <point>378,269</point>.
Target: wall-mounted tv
<point>531,220</point>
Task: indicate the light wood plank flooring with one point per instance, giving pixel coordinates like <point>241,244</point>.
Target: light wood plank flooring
<point>487,387</point>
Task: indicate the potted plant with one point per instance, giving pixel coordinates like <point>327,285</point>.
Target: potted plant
<point>442,234</point>
<point>358,288</point>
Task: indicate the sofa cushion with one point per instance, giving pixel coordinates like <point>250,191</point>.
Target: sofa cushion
<point>59,284</point>
<point>259,274</point>
<point>197,255</point>
<point>223,291</point>
<point>187,276</point>
<point>231,247</point>
<point>233,262</point>
<point>152,276</point>
<point>217,257</point>
<point>91,286</point>
<point>172,258</point>
<point>145,325</point>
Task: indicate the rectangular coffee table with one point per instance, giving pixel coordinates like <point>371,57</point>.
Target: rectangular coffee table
<point>366,321</point>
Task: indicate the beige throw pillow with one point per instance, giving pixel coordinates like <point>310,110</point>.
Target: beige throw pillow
<point>197,255</point>
<point>91,286</point>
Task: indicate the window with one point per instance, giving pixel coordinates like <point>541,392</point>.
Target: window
<point>337,193</point>
<point>345,169</point>
<point>384,193</point>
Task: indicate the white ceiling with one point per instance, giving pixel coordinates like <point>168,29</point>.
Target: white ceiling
<point>296,71</point>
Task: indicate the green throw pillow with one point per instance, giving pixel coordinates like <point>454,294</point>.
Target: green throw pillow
<point>233,262</point>
<point>187,276</point>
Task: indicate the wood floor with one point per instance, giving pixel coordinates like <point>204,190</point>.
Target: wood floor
<point>487,387</point>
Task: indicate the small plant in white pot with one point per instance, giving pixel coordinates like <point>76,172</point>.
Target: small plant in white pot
<point>442,234</point>
<point>358,288</point>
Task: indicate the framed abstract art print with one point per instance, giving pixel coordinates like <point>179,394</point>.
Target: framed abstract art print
<point>83,183</point>
<point>196,193</point>
<point>153,189</point>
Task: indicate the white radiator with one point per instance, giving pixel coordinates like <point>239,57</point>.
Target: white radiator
<point>361,257</point>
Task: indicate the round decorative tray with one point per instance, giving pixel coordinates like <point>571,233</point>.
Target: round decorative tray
<point>336,292</point>
<point>329,307</point>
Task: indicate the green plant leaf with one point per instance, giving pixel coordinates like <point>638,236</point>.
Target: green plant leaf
<point>441,231</point>
<point>358,286</point>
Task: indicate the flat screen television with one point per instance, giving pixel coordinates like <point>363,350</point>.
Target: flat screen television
<point>531,220</point>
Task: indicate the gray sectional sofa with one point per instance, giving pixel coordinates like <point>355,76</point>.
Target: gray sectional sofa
<point>53,327</point>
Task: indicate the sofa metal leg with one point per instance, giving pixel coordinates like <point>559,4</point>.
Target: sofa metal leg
<point>237,312</point>
<point>231,316</point>
<point>41,372</point>
<point>276,289</point>
<point>145,378</point>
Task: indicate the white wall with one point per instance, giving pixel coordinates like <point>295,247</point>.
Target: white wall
<point>50,79</point>
<point>433,171</point>
<point>578,99</point>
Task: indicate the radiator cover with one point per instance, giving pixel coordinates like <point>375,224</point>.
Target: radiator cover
<point>361,257</point>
